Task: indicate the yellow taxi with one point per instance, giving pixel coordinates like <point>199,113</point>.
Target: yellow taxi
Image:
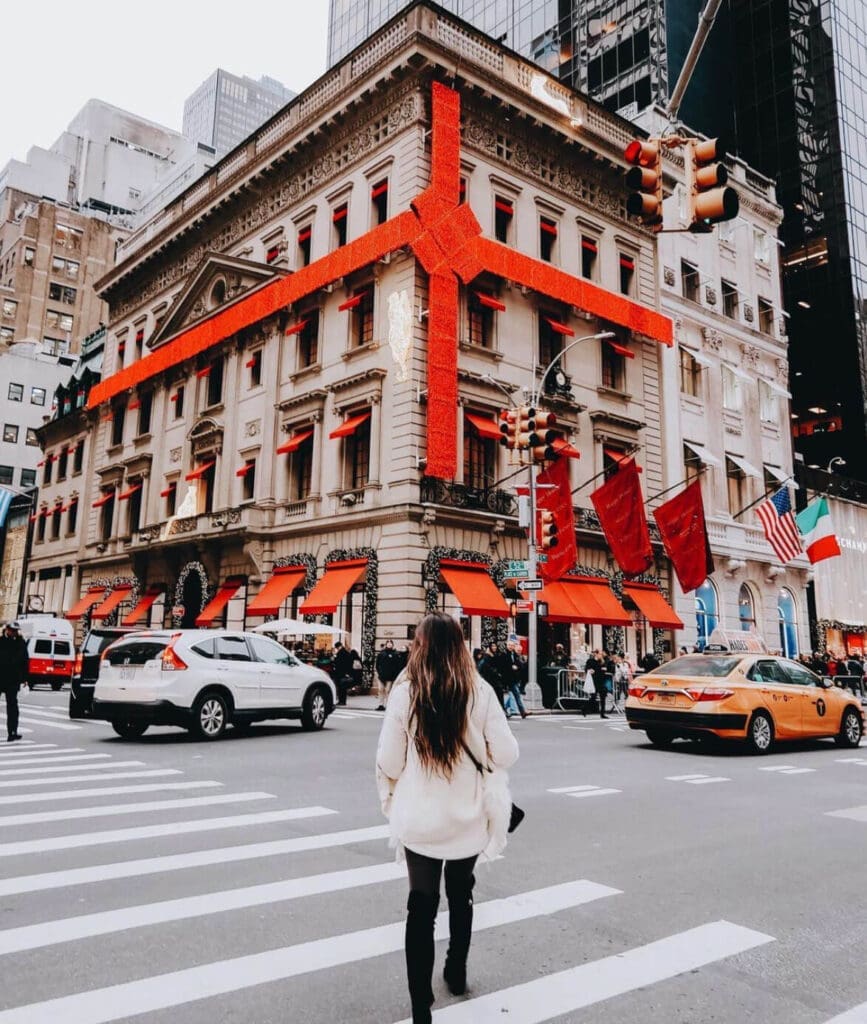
<point>736,690</point>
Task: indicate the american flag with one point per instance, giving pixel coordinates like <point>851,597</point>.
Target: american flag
<point>779,525</point>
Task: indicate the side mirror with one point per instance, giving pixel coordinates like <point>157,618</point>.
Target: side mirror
<point>827,683</point>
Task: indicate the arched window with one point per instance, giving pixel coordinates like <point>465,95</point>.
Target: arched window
<point>788,615</point>
<point>706,615</point>
<point>746,609</point>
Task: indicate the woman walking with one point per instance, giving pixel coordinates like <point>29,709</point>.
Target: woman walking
<point>440,717</point>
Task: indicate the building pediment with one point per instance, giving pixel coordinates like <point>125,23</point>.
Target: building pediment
<point>218,282</point>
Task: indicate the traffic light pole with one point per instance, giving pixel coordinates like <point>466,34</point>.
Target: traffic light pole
<point>533,566</point>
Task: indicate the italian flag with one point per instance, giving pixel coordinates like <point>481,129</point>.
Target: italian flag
<point>818,531</point>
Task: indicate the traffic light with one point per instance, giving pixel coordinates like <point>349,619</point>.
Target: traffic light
<point>547,530</point>
<point>645,177</point>
<point>524,426</point>
<point>507,427</point>
<point>542,436</point>
<point>710,200</point>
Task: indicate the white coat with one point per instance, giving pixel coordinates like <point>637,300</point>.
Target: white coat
<point>430,813</point>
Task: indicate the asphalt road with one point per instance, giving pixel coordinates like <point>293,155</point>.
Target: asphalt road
<point>165,880</point>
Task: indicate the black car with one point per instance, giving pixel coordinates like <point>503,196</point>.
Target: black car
<point>86,670</point>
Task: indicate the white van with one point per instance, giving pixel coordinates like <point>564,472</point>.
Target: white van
<point>50,650</point>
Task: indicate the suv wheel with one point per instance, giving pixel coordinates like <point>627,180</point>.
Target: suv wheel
<point>129,730</point>
<point>315,709</point>
<point>210,715</point>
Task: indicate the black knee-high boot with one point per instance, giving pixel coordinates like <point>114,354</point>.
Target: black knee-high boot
<point>460,897</point>
<point>420,918</point>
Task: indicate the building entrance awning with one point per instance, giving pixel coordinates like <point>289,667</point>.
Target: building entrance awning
<point>653,605</point>
<point>270,598</point>
<point>93,596</point>
<point>584,599</point>
<point>219,601</point>
<point>474,588</point>
<point>145,602</point>
<point>339,579</point>
<point>116,597</point>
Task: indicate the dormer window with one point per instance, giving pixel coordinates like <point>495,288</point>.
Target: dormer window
<point>218,293</point>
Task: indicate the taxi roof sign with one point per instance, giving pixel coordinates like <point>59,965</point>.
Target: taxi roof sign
<point>735,641</point>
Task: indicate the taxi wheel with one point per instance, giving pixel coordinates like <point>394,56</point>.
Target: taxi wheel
<point>660,737</point>
<point>850,729</point>
<point>760,734</point>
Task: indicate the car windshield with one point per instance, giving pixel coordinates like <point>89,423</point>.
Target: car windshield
<point>711,665</point>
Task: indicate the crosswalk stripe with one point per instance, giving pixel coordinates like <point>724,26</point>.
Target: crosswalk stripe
<point>78,794</point>
<point>123,835</point>
<point>71,813</point>
<point>854,813</point>
<point>683,778</point>
<point>566,991</point>
<point>43,721</point>
<point>45,769</point>
<point>38,709</point>
<point>706,781</point>
<point>595,792</point>
<point>857,1015</point>
<point>26,748</point>
<point>570,789</point>
<point>53,780</point>
<point>55,759</point>
<point>49,933</point>
<point>100,1006</point>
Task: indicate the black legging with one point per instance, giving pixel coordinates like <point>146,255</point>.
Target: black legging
<point>425,873</point>
<point>11,709</point>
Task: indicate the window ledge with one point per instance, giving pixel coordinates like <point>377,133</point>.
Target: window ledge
<point>306,371</point>
<point>352,353</point>
<point>480,350</point>
<point>141,439</point>
<point>621,396</point>
<point>114,449</point>
<point>211,410</point>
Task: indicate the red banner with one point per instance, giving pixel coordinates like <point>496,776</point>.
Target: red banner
<point>620,508</point>
<point>684,534</point>
<point>557,499</point>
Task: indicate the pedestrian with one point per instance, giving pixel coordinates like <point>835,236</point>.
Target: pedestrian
<point>441,720</point>
<point>649,662</point>
<point>595,666</point>
<point>342,671</point>
<point>559,659</point>
<point>388,667</point>
<point>13,674</point>
<point>513,671</point>
<point>489,669</point>
<point>622,677</point>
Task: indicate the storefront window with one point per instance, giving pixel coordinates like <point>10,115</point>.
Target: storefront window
<point>706,615</point>
<point>787,613</point>
<point>746,609</point>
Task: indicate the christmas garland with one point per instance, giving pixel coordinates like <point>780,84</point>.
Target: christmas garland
<point>824,625</point>
<point>189,568</point>
<point>110,584</point>
<point>308,562</point>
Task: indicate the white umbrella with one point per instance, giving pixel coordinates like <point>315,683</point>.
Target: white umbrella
<point>292,627</point>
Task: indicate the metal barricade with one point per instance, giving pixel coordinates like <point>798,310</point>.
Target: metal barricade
<point>571,695</point>
<point>853,683</point>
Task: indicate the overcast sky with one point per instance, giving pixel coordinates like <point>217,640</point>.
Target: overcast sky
<point>145,57</point>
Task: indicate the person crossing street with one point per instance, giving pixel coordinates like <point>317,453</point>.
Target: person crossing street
<point>388,667</point>
<point>13,675</point>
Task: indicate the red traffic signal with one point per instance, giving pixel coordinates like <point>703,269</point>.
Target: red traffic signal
<point>543,436</point>
<point>645,178</point>
<point>508,422</point>
<point>547,530</point>
<point>525,424</point>
<point>710,199</point>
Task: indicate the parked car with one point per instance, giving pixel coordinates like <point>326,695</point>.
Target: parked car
<point>205,679</point>
<point>87,664</point>
<point>50,651</point>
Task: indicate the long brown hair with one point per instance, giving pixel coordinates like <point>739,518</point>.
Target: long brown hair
<point>441,679</point>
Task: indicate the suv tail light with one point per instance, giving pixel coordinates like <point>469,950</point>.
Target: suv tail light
<point>79,664</point>
<point>637,691</point>
<point>172,662</point>
<point>710,693</point>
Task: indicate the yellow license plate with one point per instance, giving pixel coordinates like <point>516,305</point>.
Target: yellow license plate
<point>666,698</point>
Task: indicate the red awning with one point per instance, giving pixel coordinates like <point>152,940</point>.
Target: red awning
<point>171,487</point>
<point>653,606</point>
<point>93,596</point>
<point>474,588</point>
<point>564,329</point>
<point>491,301</point>
<point>562,447</point>
<point>205,370</point>
<point>621,350</point>
<point>591,600</point>
<point>270,598</point>
<point>200,471</point>
<point>219,601</point>
<point>621,457</point>
<point>118,595</point>
<point>294,442</point>
<point>338,580</point>
<point>485,427</point>
<point>549,226</point>
<point>379,190</point>
<point>304,234</point>
<point>295,328</point>
<point>504,206</point>
<point>352,302</point>
<point>143,606</point>
<point>245,469</point>
<point>627,262</point>
<point>350,426</point>
<point>104,500</point>
<point>340,213</point>
<point>127,494</point>
<point>589,245</point>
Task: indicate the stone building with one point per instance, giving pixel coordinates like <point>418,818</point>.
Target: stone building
<point>307,351</point>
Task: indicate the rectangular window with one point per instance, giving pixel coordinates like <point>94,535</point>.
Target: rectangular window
<point>10,433</point>
<point>118,418</point>
<point>7,335</point>
<point>358,456</point>
<point>106,518</point>
<point>55,320</point>
<point>689,371</point>
<point>6,473</point>
<point>504,213</point>
<point>589,257</point>
<point>144,412</point>
<point>735,480</point>
<point>766,316</point>
<point>78,458</point>
<point>362,318</point>
<point>730,300</point>
<point>31,438</point>
<point>40,524</point>
<point>692,465</point>
<point>28,477</point>
<point>254,365</point>
<point>769,406</point>
<point>550,340</point>
<point>178,402</point>
<point>171,496</point>
<point>627,274</point>
<point>761,246</point>
<point>72,516</point>
<point>480,458</point>
<point>61,293</point>
<point>272,253</point>
<point>29,256</point>
<point>248,481</point>
<point>547,239</point>
<point>139,340</point>
<point>206,489</point>
<point>689,281</point>
<point>301,471</point>
<point>54,346</point>
<point>339,219</point>
<point>613,368</point>
<point>37,396</point>
<point>62,464</point>
<point>46,470</point>
<point>308,340</point>
<point>480,321</point>
<point>72,269</point>
<point>305,236</point>
<point>379,201</point>
<point>215,383</point>
<point>134,512</point>
<point>731,390</point>
<point>56,514</point>
<point>16,393</point>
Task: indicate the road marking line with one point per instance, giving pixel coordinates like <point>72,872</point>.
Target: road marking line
<point>684,778</point>
<point>595,792</point>
<point>776,768</point>
<point>76,794</point>
<point>798,771</point>
<point>711,778</point>
<point>153,831</point>
<point>854,813</point>
<point>45,769</point>
<point>55,758</point>
<point>86,926</point>
<point>150,773</point>
<point>570,789</point>
<point>26,748</point>
<point>857,1015</point>
<point>100,1006</point>
<point>43,721</point>
<point>70,813</point>
<point>591,983</point>
<point>851,760</point>
<point>39,709</point>
<point>578,728</point>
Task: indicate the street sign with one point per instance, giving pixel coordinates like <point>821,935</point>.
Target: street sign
<point>530,585</point>
<point>515,565</point>
<point>517,574</point>
<point>524,606</point>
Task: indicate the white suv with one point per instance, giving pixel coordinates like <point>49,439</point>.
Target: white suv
<point>203,679</point>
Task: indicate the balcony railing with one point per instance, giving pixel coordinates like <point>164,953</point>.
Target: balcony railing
<point>455,495</point>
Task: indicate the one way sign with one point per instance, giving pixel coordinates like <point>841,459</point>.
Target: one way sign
<point>529,585</point>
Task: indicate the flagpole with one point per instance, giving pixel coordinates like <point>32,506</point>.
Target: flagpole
<point>767,494</point>
<point>653,497</point>
<point>602,472</point>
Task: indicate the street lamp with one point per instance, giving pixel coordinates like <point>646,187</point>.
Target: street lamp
<point>559,356</point>
<point>836,461</point>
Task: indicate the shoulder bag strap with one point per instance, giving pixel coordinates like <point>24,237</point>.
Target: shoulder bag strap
<point>474,759</point>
